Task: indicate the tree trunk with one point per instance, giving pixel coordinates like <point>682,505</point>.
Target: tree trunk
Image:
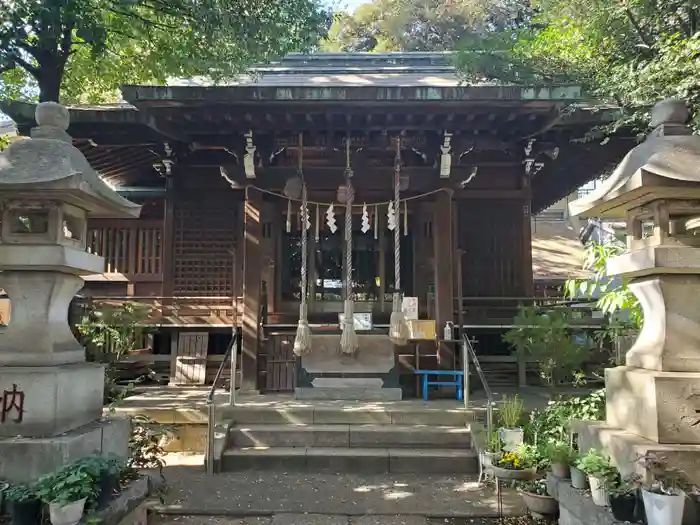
<point>49,79</point>
<point>49,88</point>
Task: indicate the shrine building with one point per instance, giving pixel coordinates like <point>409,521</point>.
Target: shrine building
<point>219,171</point>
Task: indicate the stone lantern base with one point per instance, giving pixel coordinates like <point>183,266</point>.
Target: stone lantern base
<point>24,459</point>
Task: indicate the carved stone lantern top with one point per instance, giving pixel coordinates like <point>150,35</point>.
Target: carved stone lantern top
<point>666,166</point>
<point>50,167</point>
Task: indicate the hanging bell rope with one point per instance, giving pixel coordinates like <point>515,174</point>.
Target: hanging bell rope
<point>348,338</point>
<point>398,329</point>
<point>302,341</point>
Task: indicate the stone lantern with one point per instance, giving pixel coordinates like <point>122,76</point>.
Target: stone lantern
<point>47,192</point>
<point>653,402</point>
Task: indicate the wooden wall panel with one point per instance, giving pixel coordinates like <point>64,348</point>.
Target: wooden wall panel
<point>490,232</point>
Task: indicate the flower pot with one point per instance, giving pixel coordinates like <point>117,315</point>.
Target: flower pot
<point>108,487</point>
<point>512,438</point>
<point>538,504</point>
<point>521,474</point>
<point>561,470</point>
<point>598,491</point>
<point>579,480</point>
<point>27,512</point>
<point>662,509</point>
<point>68,514</point>
<point>623,507</point>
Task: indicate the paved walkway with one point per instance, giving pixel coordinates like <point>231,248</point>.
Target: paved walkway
<point>262,493</point>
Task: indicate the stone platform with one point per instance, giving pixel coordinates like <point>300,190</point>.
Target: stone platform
<point>25,459</point>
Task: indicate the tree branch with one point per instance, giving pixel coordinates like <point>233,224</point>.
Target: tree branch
<point>19,61</point>
<point>638,28</point>
<point>67,41</point>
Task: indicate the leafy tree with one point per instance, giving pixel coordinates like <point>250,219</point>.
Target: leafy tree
<point>630,52</point>
<point>149,39</point>
<point>420,25</point>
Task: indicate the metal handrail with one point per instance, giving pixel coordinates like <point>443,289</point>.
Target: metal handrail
<point>232,353</point>
<point>469,353</point>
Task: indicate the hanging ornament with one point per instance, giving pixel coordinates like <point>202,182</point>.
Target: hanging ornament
<point>405,218</point>
<point>304,216</point>
<point>391,216</point>
<point>365,219</point>
<point>302,339</point>
<point>289,216</point>
<point>376,222</point>
<point>317,225</point>
<point>342,194</point>
<point>330,219</point>
<point>348,337</point>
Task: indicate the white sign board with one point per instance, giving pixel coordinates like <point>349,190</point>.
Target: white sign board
<point>361,321</point>
<point>410,307</point>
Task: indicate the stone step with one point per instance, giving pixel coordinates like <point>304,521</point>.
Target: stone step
<point>369,436</point>
<point>361,415</point>
<point>351,459</point>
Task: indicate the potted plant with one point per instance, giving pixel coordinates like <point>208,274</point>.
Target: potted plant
<point>537,498</point>
<point>105,471</point>
<point>493,448</point>
<point>510,414</point>
<point>66,492</point>
<point>23,505</point>
<point>663,492</point>
<point>600,475</point>
<point>623,497</point>
<point>579,479</point>
<point>561,456</point>
<point>517,465</point>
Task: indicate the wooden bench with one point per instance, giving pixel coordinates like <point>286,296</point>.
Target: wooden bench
<point>456,381</point>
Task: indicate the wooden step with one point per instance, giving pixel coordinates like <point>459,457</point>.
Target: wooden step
<point>368,436</point>
<point>352,459</point>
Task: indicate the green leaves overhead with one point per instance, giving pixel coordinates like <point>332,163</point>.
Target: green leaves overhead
<point>149,39</point>
<point>629,52</point>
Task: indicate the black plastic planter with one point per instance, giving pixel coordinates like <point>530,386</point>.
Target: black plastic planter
<point>623,507</point>
<point>108,488</point>
<point>27,512</point>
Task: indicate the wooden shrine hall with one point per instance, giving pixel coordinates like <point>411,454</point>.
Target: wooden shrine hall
<point>219,172</point>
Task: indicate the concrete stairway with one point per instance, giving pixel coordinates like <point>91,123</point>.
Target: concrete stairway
<point>360,439</point>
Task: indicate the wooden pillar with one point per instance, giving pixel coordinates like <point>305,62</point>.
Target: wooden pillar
<point>528,282</point>
<point>168,256</point>
<point>443,252</point>
<point>252,275</point>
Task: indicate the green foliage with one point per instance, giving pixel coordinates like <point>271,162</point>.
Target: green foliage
<point>614,295</point>
<point>552,424</point>
<point>629,53</point>
<point>626,486</point>
<point>535,486</point>
<point>547,338</point>
<point>67,485</point>
<point>4,142</point>
<point>146,443</point>
<point>419,25</point>
<point>560,452</point>
<point>662,478</point>
<point>21,492</point>
<point>510,411</point>
<point>596,464</point>
<point>137,39</point>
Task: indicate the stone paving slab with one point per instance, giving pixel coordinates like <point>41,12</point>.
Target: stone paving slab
<point>261,492</point>
<point>342,520</point>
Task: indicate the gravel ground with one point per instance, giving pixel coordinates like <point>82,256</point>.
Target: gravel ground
<point>260,492</point>
<point>335,520</point>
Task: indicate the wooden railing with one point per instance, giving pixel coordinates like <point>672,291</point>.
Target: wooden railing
<point>133,248</point>
<point>175,310</point>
